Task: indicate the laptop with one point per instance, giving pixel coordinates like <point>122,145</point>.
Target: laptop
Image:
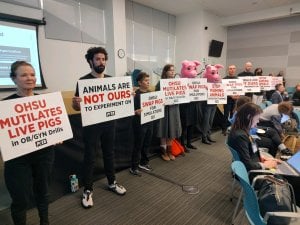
<point>291,167</point>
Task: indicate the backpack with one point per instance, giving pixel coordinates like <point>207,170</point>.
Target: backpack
<point>176,148</point>
<point>275,195</point>
<point>290,126</point>
<point>292,142</point>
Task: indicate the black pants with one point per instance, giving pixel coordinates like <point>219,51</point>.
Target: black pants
<point>142,141</point>
<point>98,136</point>
<point>27,174</point>
<point>270,140</point>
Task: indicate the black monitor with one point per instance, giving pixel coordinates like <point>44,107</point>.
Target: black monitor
<point>215,48</point>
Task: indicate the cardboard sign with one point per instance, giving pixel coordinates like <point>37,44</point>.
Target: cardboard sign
<point>265,83</point>
<point>234,86</point>
<point>32,123</point>
<point>105,99</point>
<point>175,90</point>
<point>276,80</point>
<point>197,89</point>
<point>251,84</point>
<point>152,105</point>
<point>216,93</point>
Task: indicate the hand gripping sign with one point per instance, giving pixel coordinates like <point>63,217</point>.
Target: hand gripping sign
<point>32,123</point>
<point>152,105</point>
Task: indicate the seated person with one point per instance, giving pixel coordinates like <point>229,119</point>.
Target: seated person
<point>279,95</point>
<point>272,115</point>
<point>296,96</point>
<point>270,139</point>
<point>240,139</point>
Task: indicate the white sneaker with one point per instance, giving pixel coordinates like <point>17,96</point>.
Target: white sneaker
<point>87,200</point>
<point>117,188</point>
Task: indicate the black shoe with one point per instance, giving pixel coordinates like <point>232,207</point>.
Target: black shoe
<point>191,146</point>
<point>135,172</point>
<point>186,150</point>
<point>209,139</point>
<point>224,132</point>
<point>205,141</point>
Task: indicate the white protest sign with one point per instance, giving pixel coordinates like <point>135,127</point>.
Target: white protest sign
<point>105,99</point>
<point>265,83</point>
<point>251,84</point>
<point>216,93</point>
<point>276,80</point>
<point>234,86</point>
<point>175,90</point>
<point>32,123</point>
<point>152,105</point>
<point>197,89</point>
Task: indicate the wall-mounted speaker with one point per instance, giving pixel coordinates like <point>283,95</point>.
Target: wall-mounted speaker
<point>215,48</point>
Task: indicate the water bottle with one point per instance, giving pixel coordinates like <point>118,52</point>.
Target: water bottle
<point>74,183</point>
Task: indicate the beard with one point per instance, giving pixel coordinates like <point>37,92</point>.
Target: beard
<point>99,69</point>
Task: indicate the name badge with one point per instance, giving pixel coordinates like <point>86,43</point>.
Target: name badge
<point>254,147</point>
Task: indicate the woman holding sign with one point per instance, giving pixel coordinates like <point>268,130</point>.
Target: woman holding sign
<point>169,127</point>
<point>29,172</point>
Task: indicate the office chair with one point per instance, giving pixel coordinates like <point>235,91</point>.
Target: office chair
<point>250,202</point>
<point>262,105</point>
<point>268,103</point>
<point>236,158</point>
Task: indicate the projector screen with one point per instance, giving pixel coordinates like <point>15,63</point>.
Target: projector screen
<point>18,42</point>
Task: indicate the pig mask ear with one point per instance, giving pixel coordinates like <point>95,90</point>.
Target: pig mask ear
<point>197,63</point>
<point>219,66</point>
<point>184,62</point>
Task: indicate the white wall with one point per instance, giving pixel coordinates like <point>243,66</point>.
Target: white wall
<point>192,40</point>
<point>273,45</point>
<point>63,62</point>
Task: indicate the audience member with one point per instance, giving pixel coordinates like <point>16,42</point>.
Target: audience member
<point>142,133</point>
<point>169,127</point>
<point>271,116</point>
<point>279,95</point>
<point>96,135</point>
<point>240,139</point>
<point>29,173</point>
<point>296,95</point>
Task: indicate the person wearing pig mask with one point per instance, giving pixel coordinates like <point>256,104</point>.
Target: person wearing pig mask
<point>189,112</point>
<point>211,72</point>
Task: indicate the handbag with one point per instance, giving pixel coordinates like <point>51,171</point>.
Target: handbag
<point>275,195</point>
<point>292,142</point>
<point>176,148</point>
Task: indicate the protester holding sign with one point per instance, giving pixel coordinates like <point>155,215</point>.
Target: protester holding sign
<point>257,97</point>
<point>95,135</point>
<point>142,132</point>
<point>169,127</point>
<point>31,171</point>
<point>231,100</point>
<point>247,73</point>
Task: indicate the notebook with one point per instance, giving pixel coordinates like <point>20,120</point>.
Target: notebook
<point>290,167</point>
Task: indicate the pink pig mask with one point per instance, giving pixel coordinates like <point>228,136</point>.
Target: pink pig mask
<point>189,69</point>
<point>211,72</point>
